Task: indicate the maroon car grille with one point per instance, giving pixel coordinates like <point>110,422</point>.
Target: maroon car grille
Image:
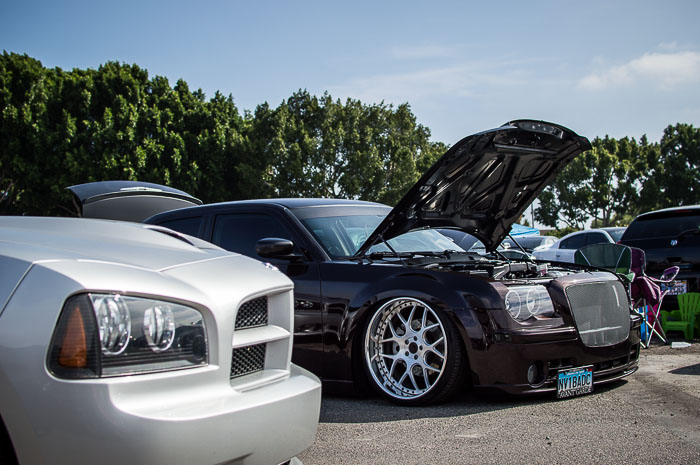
<point>601,312</point>
<point>252,313</point>
<point>247,360</point>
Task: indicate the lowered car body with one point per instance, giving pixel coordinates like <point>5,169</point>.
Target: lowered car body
<point>125,343</point>
<point>382,299</point>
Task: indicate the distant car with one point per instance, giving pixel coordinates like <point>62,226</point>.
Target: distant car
<point>125,343</point>
<point>669,237</point>
<point>529,243</point>
<point>563,250</point>
<point>472,244</point>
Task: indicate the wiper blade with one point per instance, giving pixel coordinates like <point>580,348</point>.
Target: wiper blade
<point>385,254</point>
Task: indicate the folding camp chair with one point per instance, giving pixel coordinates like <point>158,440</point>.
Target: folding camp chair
<point>647,294</point>
<point>608,256</point>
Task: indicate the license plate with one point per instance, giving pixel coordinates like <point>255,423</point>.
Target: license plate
<point>679,287</point>
<point>574,382</point>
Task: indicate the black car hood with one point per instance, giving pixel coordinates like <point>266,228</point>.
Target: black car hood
<point>128,200</point>
<point>484,182</point>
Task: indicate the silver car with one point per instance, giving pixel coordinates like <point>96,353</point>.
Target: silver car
<point>563,249</point>
<point>123,343</point>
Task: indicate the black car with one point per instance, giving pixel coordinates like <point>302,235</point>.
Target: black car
<point>383,299</point>
<point>669,237</point>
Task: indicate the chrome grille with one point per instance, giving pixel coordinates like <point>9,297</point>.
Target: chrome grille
<point>601,312</point>
<point>246,360</point>
<point>252,313</point>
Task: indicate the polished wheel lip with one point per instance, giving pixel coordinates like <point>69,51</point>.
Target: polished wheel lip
<point>401,357</point>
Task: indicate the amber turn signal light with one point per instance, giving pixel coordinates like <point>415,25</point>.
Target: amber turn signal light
<point>73,353</point>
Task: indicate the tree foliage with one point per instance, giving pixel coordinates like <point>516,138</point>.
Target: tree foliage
<point>674,177</point>
<point>619,179</point>
<point>318,147</point>
<point>59,128</point>
<point>62,128</point>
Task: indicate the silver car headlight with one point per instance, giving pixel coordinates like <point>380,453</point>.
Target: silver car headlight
<point>524,302</point>
<point>101,335</point>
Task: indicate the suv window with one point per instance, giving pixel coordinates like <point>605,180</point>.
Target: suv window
<point>663,226</point>
<point>184,225</point>
<point>240,232</point>
<point>596,238</point>
<point>574,242</point>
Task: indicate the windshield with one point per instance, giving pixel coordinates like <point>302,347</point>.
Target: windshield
<point>616,233</point>
<point>529,242</point>
<point>342,236</point>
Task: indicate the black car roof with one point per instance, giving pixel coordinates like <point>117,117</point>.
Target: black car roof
<point>293,203</point>
<point>670,211</point>
<point>290,203</point>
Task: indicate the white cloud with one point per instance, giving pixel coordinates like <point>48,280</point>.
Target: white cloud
<point>463,80</point>
<point>424,51</point>
<point>665,70</point>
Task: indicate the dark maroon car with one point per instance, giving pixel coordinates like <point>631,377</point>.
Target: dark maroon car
<point>383,299</point>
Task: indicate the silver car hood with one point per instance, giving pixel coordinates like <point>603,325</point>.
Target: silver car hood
<point>484,182</point>
<point>130,244</point>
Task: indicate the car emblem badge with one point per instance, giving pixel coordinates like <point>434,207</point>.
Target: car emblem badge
<point>674,242</point>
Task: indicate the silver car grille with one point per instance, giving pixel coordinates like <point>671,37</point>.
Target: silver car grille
<point>247,360</point>
<point>252,313</point>
<point>601,312</point>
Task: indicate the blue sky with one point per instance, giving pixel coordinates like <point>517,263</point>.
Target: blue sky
<point>622,68</point>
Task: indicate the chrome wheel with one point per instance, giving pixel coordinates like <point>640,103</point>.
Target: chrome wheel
<point>406,348</point>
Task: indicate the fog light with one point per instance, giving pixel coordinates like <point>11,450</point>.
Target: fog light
<point>532,374</point>
<point>535,374</point>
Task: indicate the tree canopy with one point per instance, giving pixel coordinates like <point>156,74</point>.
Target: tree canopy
<point>621,178</point>
<point>62,128</point>
<point>59,128</point>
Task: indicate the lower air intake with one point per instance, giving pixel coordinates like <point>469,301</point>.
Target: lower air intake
<point>247,360</point>
<point>601,312</point>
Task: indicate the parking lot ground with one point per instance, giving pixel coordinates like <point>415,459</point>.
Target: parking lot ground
<point>650,417</point>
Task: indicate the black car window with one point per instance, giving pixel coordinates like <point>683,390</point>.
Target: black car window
<point>184,225</point>
<point>663,226</point>
<point>596,238</point>
<point>574,242</point>
<point>240,232</point>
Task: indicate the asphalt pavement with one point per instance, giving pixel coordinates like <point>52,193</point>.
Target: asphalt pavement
<point>651,417</point>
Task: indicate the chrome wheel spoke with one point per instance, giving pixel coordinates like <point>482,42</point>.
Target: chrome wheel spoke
<point>412,378</point>
<point>393,331</point>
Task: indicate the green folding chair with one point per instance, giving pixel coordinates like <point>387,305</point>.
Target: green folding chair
<point>682,319</point>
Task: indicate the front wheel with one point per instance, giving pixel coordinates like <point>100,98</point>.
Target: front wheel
<point>412,352</point>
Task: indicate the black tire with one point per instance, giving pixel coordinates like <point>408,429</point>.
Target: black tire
<point>412,353</point>
<point>7,452</point>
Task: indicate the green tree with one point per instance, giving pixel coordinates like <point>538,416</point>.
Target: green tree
<point>674,178</point>
<point>319,147</point>
<point>61,128</point>
<point>601,185</point>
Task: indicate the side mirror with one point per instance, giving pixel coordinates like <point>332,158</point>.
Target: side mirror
<point>274,247</point>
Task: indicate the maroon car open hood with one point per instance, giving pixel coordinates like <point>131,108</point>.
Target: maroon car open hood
<point>484,182</point>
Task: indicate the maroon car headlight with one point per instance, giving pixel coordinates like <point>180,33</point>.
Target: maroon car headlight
<point>525,302</point>
<point>101,335</point>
